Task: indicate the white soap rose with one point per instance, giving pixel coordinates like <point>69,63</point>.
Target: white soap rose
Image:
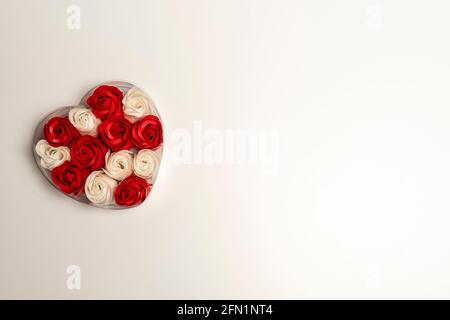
<point>84,120</point>
<point>119,165</point>
<point>145,163</point>
<point>99,188</point>
<point>51,157</point>
<point>137,104</point>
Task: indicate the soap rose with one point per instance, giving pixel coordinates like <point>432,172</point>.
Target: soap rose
<point>88,152</point>
<point>99,188</point>
<point>51,157</point>
<point>131,191</point>
<point>58,131</point>
<point>145,163</point>
<point>84,121</point>
<point>147,133</point>
<point>106,101</point>
<point>136,104</point>
<point>69,178</point>
<point>116,133</point>
<point>119,165</point>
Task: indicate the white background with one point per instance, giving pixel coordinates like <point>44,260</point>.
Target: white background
<point>358,92</point>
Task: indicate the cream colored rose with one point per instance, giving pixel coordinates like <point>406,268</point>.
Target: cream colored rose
<point>145,163</point>
<point>99,188</point>
<point>51,157</point>
<point>137,104</point>
<point>84,120</point>
<point>119,165</point>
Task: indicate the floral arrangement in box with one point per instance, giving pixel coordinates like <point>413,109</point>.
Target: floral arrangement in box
<point>105,151</point>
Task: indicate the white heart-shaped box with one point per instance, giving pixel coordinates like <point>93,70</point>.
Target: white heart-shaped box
<point>107,150</point>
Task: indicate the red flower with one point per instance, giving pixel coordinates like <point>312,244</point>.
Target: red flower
<point>88,153</point>
<point>116,133</point>
<point>147,133</point>
<point>131,191</point>
<point>70,178</point>
<point>106,101</point>
<point>58,131</point>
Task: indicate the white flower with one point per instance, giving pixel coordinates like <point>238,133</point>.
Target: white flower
<point>99,188</point>
<point>119,165</point>
<point>84,120</point>
<point>145,163</point>
<point>51,157</point>
<point>136,103</point>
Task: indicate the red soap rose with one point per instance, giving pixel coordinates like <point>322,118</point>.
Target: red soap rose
<point>88,153</point>
<point>116,133</point>
<point>147,133</point>
<point>131,191</point>
<point>106,101</point>
<point>70,178</point>
<point>58,131</point>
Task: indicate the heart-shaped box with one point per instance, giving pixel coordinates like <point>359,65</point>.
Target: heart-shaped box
<point>107,150</point>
